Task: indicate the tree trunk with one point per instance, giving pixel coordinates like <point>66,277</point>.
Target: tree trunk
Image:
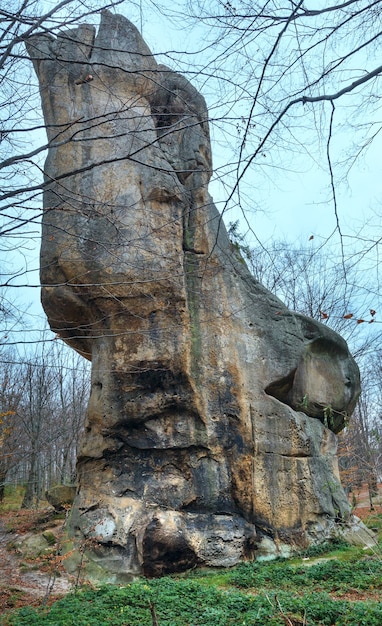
<point>3,476</point>
<point>30,491</point>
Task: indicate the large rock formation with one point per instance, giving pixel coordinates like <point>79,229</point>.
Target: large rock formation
<point>210,434</point>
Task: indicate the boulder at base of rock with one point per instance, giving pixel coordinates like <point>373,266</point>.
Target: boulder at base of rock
<point>61,496</point>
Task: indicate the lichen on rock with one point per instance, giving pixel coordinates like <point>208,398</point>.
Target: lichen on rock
<point>210,425</point>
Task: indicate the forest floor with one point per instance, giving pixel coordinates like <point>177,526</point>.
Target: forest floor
<point>28,579</point>
<point>362,508</point>
<point>39,578</point>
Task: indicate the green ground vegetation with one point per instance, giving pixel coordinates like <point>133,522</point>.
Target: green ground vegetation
<point>188,602</point>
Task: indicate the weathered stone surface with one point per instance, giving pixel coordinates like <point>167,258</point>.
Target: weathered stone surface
<point>211,420</point>
<point>61,495</point>
<point>33,545</point>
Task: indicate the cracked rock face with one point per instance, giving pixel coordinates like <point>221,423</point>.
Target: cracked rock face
<point>211,423</point>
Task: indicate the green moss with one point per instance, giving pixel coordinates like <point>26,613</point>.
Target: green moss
<point>50,538</point>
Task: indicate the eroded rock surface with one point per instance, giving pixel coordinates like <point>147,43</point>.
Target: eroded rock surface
<point>211,421</point>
